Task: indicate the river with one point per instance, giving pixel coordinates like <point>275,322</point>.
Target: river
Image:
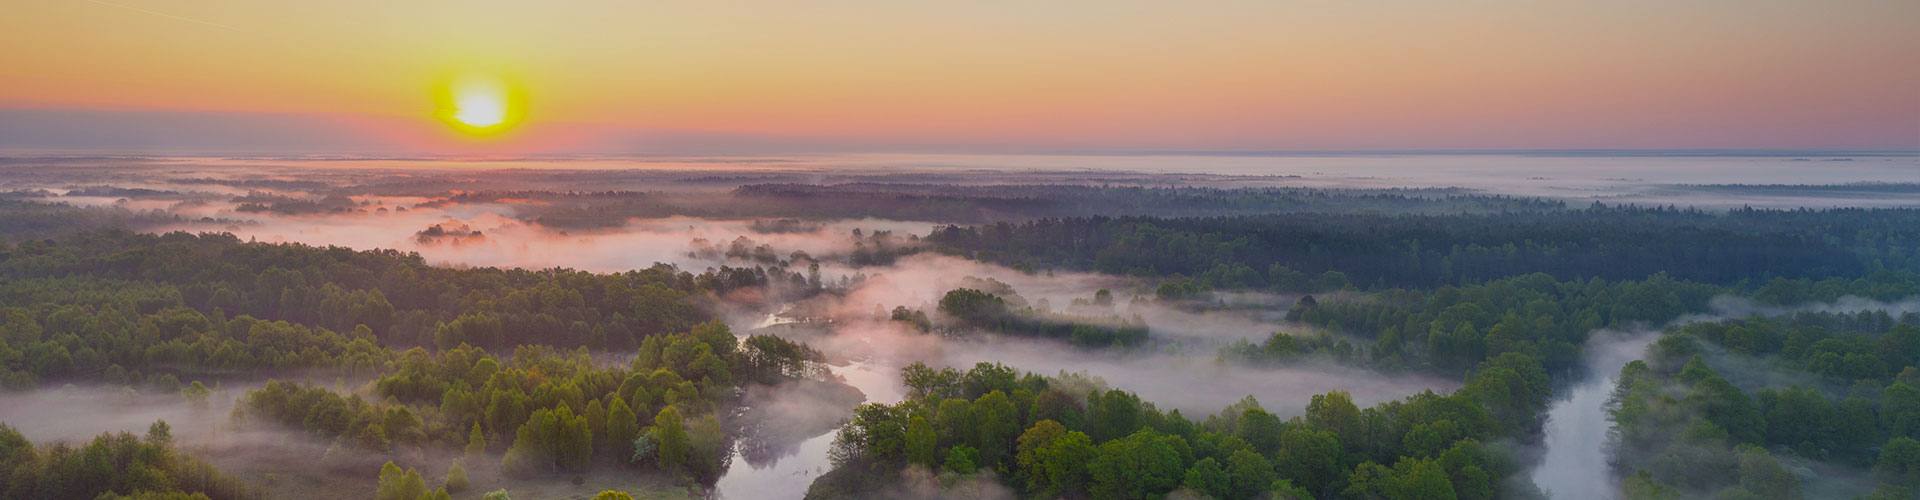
<point>1574,466</point>
<point>788,477</point>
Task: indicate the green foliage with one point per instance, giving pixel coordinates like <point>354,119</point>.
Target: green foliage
<point>671,440</point>
<point>1122,447</point>
<point>456,478</point>
<point>1137,466</point>
<point>970,308</point>
<point>962,460</point>
<point>1690,431</point>
<point>1209,479</point>
<point>551,441</point>
<point>476,443</point>
<point>921,442</point>
<point>114,465</point>
<point>1297,252</point>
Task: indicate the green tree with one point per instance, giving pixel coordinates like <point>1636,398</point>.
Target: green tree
<point>456,477</point>
<point>1258,428</point>
<point>622,427</point>
<point>1421,479</point>
<point>1310,458</point>
<point>411,485</point>
<point>1065,463</point>
<point>1900,462</point>
<point>997,425</point>
<point>1208,478</point>
<point>706,448</point>
<point>476,443</point>
<point>921,443</point>
<point>388,487</point>
<point>160,433</point>
<point>1249,474</point>
<point>196,395</point>
<point>1138,466</point>
<point>962,459</point>
<point>671,438</point>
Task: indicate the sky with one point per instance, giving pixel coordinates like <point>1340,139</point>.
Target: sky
<point>364,76</point>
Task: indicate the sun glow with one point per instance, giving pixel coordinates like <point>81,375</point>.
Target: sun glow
<point>480,105</point>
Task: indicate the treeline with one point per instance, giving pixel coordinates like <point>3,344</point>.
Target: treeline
<point>1071,437</point>
<point>113,466</point>
<point>960,203</point>
<point>398,296</point>
<point>1683,429</point>
<point>23,220</point>
<point>144,334</point>
<point>970,308</point>
<point>551,411</point>
<point>1295,252</point>
<point>1451,329</point>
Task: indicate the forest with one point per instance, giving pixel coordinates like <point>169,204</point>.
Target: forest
<point>1319,252</point>
<point>1704,416</point>
<point>423,380</point>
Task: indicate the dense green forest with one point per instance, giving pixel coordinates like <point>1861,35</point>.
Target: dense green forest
<point>1795,393</point>
<point>975,309</point>
<point>1450,329</point>
<point>548,411</point>
<point>99,304</point>
<point>990,203</point>
<point>150,311</point>
<point>1073,437</point>
<point>113,466</point>
<point>556,373</point>
<point>1325,251</point>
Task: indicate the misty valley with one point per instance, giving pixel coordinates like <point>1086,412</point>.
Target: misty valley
<point>954,327</point>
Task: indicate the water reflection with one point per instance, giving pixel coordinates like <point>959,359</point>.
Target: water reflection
<point>769,471</point>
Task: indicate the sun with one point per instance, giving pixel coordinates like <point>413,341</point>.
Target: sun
<point>480,105</point>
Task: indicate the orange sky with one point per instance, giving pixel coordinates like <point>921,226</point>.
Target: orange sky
<point>988,74</point>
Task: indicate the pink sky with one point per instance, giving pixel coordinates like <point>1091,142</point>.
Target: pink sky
<point>870,75</point>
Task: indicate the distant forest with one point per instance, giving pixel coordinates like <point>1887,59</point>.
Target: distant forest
<point>1293,252</point>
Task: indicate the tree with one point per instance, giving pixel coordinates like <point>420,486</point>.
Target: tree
<point>997,424</point>
<point>1208,478</point>
<point>622,427</point>
<point>671,439</point>
<point>1258,428</point>
<point>1309,457</point>
<point>1421,479</point>
<point>1249,474</point>
<point>962,459</point>
<point>389,484</point>
<point>476,442</point>
<point>921,443</point>
<point>1336,413</point>
<point>706,448</point>
<point>1900,462</point>
<point>1762,475</point>
<point>412,485</point>
<point>160,433</point>
<point>1064,463</point>
<point>196,395</point>
<point>456,477</point>
<point>1137,466</point>
<point>397,485</point>
<point>612,495</point>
